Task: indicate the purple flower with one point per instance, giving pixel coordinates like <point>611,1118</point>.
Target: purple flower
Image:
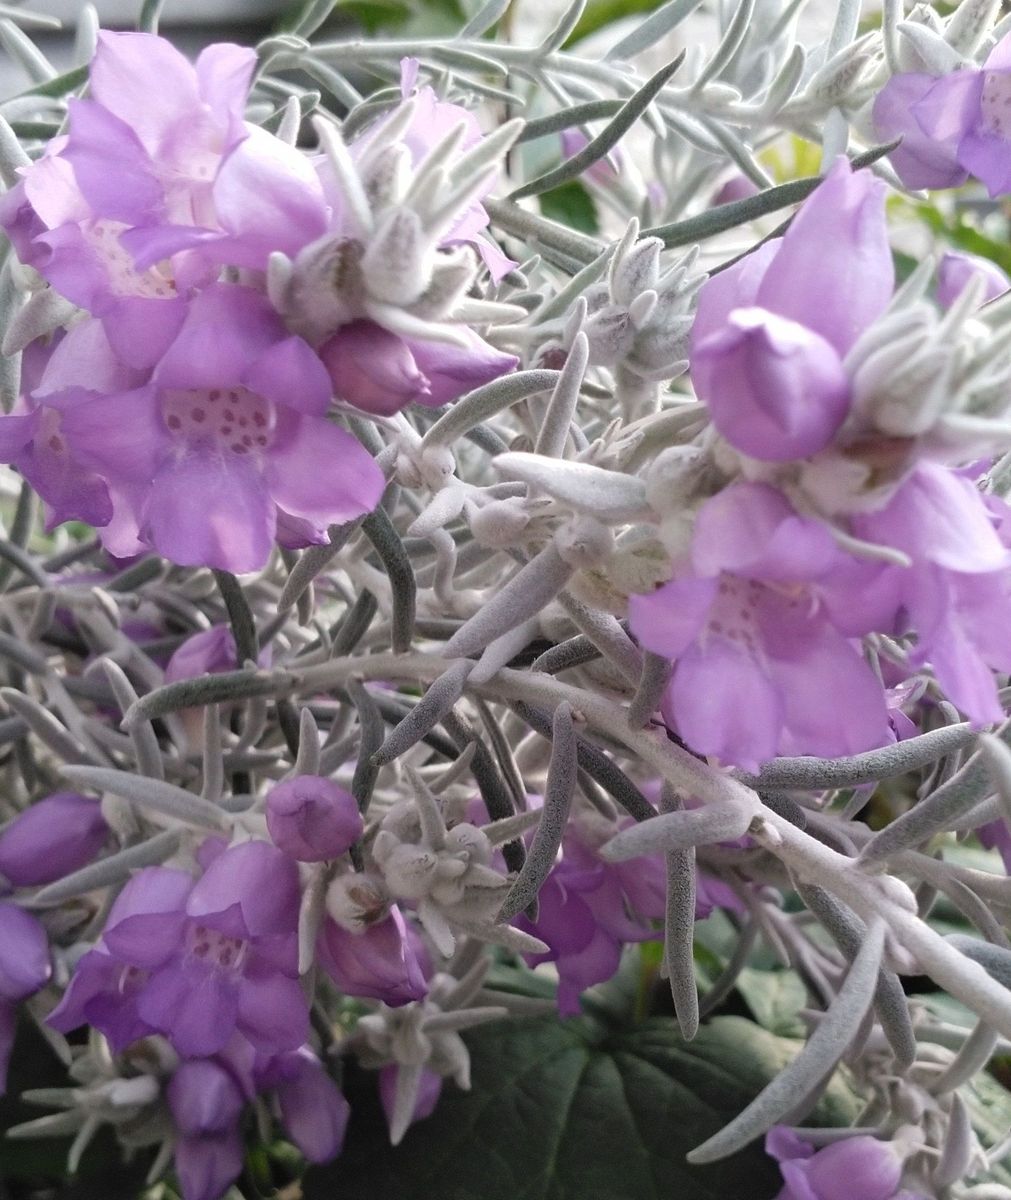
<point>198,961</point>
<point>140,161</point>
<point>105,989</point>
<point>590,909</point>
<point>226,448</point>
<point>995,835</point>
<point>855,1166</point>
<point>32,439</point>
<point>205,1102</point>
<point>958,585</point>
<point>312,1107</point>
<point>775,390</point>
<point>450,371</point>
<point>921,161</point>
<point>269,198</point>
<point>312,819</point>
<point>382,961</point>
<point>770,332</point>
<point>50,839</point>
<point>583,952</point>
<point>605,171</point>
<point>760,667</point>
<point>373,369</point>
<point>956,270</point>
<point>737,187</point>
<point>953,126</point>
<point>24,968</point>
<point>205,653</point>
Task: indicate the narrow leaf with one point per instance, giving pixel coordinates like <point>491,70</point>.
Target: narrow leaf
<point>822,1051</point>
<point>558,792</point>
<point>149,793</point>
<point>714,822</point>
<point>608,138</point>
<point>108,872</point>
<point>526,593</point>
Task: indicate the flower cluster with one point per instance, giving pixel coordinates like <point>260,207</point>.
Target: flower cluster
<point>590,600</point>
<point>843,509</point>
<point>953,125</point>
<point>225,287</point>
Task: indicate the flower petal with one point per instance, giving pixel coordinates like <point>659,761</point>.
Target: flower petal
<point>211,510</point>
<point>317,471</point>
<point>834,273</point>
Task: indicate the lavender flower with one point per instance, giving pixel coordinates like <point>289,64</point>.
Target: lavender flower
<point>956,270</point>
<point>591,908</point>
<point>366,946</point>
<point>69,216</point>
<point>768,340</point>
<point>312,819</point>
<point>226,448</point>
<point>312,1107</point>
<point>856,1166</point>
<point>51,838</point>
<point>952,127</point>
<point>206,1102</point>
<point>755,629</point>
<point>198,961</point>
<point>24,969</point>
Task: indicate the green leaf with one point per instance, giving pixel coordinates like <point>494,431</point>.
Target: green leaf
<point>575,1110</point>
<point>775,999</point>
<point>571,205</point>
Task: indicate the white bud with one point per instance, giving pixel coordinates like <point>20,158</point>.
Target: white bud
<point>403,822</point>
<point>436,464</point>
<point>467,837</point>
<point>642,308</point>
<point>397,264</point>
<point>584,542</point>
<point>410,871</point>
<point>499,523</point>
<point>674,479</point>
<point>387,177</point>
<point>139,1091</point>
<point>637,271</point>
<point>611,335</point>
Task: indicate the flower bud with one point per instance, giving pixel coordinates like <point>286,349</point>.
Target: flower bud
<point>584,541</point>
<point>313,1109</point>
<point>24,955</point>
<point>373,369</point>
<point>857,1166</point>
<point>52,838</point>
<point>312,819</point>
<point>499,523</point>
<point>203,1098</point>
<point>775,390</point>
<point>956,270</point>
<point>384,961</point>
<point>204,653</point>
<point>410,871</point>
<point>468,838</point>
<point>452,370</point>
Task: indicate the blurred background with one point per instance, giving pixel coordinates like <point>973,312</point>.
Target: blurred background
<point>194,23</point>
